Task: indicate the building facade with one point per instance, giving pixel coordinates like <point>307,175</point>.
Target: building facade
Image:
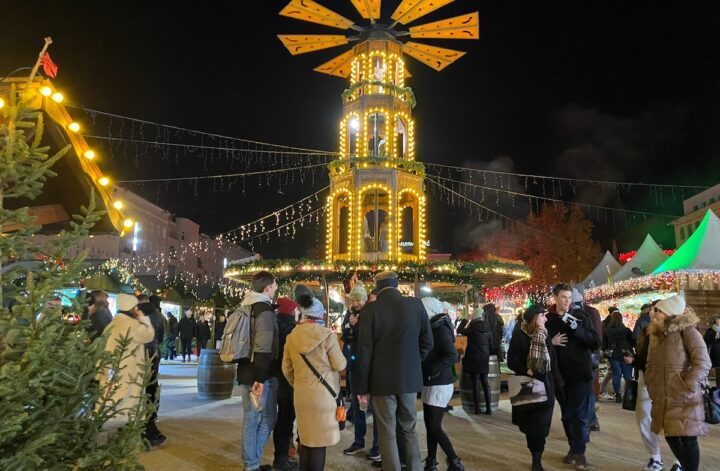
<point>694,209</point>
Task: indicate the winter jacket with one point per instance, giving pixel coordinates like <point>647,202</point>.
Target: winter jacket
<point>349,337</point>
<point>574,359</point>
<point>677,362</point>
<point>158,325</point>
<point>477,353</point>
<point>129,388</point>
<point>495,327</point>
<point>437,365</point>
<point>285,325</point>
<point>203,333</point>
<point>99,320</point>
<point>219,329</point>
<point>395,338</point>
<point>642,322</point>
<point>172,331</point>
<point>618,341</point>
<point>536,421</point>
<point>713,345</point>
<point>314,405</point>
<point>187,328</point>
<point>265,341</point>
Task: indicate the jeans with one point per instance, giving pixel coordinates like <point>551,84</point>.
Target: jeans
<point>257,426</point>
<point>359,422</point>
<point>620,369</point>
<point>399,411</point>
<point>576,415</point>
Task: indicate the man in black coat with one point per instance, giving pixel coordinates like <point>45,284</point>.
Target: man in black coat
<point>283,431</point>
<point>187,329</point>
<point>152,433</point>
<point>574,338</point>
<point>394,339</point>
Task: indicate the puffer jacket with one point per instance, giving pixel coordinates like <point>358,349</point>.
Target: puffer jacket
<point>437,365</point>
<point>677,362</point>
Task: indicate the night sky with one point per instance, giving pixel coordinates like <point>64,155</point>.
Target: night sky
<point>615,90</point>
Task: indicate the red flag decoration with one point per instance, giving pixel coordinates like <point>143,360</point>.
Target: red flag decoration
<point>49,66</point>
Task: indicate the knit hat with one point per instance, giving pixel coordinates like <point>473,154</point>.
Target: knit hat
<point>533,311</point>
<point>386,279</point>
<point>359,293</point>
<point>316,310</point>
<point>286,306</point>
<point>126,302</point>
<point>672,306</point>
<point>433,306</point>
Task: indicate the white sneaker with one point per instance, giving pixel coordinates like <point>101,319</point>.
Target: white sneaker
<point>676,467</point>
<point>654,465</point>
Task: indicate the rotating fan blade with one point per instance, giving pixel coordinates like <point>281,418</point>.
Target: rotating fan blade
<point>339,66</point>
<point>459,27</point>
<point>369,9</point>
<point>410,10</point>
<point>302,43</point>
<point>435,57</point>
<point>307,10</point>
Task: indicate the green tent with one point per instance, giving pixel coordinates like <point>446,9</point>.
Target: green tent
<point>701,251</point>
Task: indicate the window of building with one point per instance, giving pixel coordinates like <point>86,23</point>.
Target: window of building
<point>182,235</point>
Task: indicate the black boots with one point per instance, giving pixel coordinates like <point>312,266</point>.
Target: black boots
<point>488,411</point>
<point>455,465</point>
<point>618,397</point>
<point>430,464</point>
<point>537,462</point>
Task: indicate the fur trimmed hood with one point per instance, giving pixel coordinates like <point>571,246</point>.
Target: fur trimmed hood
<point>674,324</point>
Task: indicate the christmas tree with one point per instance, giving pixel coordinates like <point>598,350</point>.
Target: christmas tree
<point>53,415</point>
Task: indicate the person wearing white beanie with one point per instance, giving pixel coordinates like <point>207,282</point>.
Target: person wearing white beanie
<point>677,363</point>
<point>438,384</point>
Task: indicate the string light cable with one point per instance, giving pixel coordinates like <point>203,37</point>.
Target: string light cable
<point>226,175</point>
<point>578,180</point>
<point>501,215</point>
<point>197,132</point>
<point>544,198</point>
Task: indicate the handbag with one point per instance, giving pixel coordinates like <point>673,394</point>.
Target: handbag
<point>711,400</point>
<point>340,412</point>
<point>526,393</point>
<point>629,400</point>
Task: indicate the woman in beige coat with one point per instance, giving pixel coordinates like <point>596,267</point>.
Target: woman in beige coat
<point>314,405</point>
<point>677,364</point>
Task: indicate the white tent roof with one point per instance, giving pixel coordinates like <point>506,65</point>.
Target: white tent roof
<point>701,251</point>
<point>648,257</point>
<point>599,276</point>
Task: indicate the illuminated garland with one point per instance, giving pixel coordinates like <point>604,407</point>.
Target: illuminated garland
<point>661,283</point>
<point>454,272</point>
<point>627,256</point>
<point>404,93</point>
<point>338,166</point>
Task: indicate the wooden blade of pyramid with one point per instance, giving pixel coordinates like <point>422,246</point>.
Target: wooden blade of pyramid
<point>307,10</point>
<point>435,57</point>
<point>410,10</point>
<point>302,43</point>
<point>459,27</point>
<point>339,66</point>
<point>369,9</point>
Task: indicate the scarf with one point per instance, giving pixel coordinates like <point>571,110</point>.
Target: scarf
<point>716,328</point>
<point>538,358</point>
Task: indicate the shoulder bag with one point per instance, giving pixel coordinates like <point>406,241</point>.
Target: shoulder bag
<point>340,412</point>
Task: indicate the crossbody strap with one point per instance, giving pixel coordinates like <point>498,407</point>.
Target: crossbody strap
<point>319,376</point>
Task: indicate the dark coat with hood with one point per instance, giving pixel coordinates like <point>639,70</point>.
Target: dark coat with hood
<point>394,339</point>
<point>677,362</point>
<point>477,354</point>
<point>713,344</point>
<point>285,324</point>
<point>98,321</point>
<point>172,331</point>
<point>495,327</point>
<point>574,359</point>
<point>536,421</point>
<point>618,341</point>
<point>157,322</point>
<point>437,365</point>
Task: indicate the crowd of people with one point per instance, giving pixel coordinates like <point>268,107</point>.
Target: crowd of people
<point>291,380</point>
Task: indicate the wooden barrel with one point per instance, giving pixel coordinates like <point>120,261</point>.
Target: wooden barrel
<point>466,389</point>
<point>215,378</point>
